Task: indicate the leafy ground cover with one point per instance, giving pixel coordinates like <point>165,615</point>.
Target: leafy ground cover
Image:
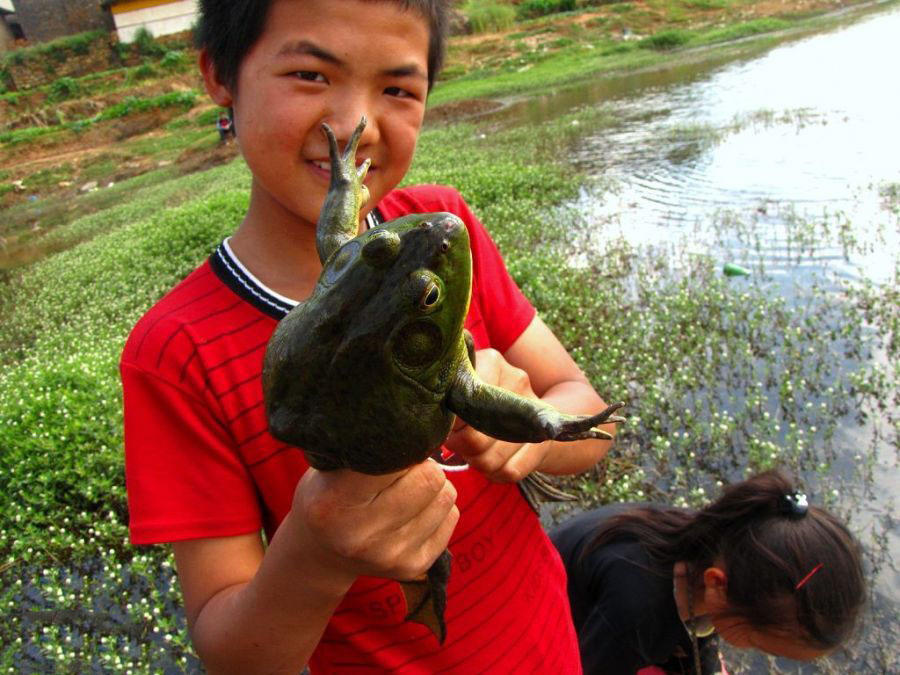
<point>713,388</point>
<point>720,375</point>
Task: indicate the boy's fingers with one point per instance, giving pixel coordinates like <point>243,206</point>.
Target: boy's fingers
<point>468,442</point>
<point>418,486</point>
<point>523,461</point>
<point>360,488</point>
<point>427,535</point>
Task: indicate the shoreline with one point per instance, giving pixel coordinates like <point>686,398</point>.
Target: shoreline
<point>462,98</point>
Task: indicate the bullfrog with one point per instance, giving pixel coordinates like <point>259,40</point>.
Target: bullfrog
<point>370,372</point>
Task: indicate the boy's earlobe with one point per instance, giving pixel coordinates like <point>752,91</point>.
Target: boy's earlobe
<point>217,91</point>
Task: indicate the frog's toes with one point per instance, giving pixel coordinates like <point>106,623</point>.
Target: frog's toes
<point>350,150</point>
<point>363,169</point>
<point>607,415</point>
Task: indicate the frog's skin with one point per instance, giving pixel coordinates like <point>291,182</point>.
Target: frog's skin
<point>371,370</point>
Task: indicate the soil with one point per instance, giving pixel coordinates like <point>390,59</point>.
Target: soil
<point>200,159</point>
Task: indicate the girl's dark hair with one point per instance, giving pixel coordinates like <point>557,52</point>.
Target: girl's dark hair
<point>227,30</point>
<point>767,548</point>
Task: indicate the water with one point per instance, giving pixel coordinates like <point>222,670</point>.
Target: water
<point>809,127</point>
<point>804,132</point>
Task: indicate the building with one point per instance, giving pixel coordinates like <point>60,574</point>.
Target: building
<point>159,17</point>
<point>10,30</point>
<point>45,20</point>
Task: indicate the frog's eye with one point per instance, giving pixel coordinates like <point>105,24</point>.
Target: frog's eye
<point>431,296</point>
<point>381,248</point>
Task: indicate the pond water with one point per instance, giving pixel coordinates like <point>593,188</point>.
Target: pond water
<point>807,131</point>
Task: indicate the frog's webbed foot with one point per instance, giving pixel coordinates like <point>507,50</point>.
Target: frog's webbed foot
<point>344,171</point>
<point>537,487</point>
<point>426,599</point>
<point>578,427</point>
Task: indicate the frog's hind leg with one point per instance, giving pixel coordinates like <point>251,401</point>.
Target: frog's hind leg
<point>339,218</point>
<point>426,599</point>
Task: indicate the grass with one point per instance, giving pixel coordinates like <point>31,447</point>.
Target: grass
<point>58,49</point>
<point>751,381</point>
<point>65,222</point>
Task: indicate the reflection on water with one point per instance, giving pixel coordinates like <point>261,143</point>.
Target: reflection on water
<point>811,124</point>
<point>806,132</point>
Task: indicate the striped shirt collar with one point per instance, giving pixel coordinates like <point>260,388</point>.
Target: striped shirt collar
<point>242,281</point>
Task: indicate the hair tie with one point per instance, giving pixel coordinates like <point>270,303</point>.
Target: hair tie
<point>794,505</point>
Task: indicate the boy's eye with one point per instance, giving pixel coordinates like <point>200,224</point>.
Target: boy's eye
<point>398,92</point>
<point>310,76</point>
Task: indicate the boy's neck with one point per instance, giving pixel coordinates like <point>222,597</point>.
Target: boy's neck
<point>278,251</point>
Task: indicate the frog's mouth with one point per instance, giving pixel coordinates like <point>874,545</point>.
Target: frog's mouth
<point>434,394</point>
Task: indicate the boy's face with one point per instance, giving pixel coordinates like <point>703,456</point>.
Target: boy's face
<point>328,61</point>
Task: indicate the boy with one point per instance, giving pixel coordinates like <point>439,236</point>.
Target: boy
<point>202,470</point>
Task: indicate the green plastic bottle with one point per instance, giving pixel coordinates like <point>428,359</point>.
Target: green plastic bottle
<point>732,270</point>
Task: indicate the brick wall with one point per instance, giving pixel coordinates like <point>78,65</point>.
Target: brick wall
<point>44,20</point>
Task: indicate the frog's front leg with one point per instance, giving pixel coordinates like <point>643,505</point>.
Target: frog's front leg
<point>507,416</point>
<point>339,217</point>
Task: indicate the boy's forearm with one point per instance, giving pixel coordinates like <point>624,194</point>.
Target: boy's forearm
<point>575,397</point>
<point>272,623</point>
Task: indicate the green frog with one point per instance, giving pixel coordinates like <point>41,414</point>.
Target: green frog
<point>370,372</point>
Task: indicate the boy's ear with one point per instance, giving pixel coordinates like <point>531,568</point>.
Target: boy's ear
<point>217,91</point>
<point>715,589</point>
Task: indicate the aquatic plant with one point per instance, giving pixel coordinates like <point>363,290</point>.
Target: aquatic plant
<point>722,376</point>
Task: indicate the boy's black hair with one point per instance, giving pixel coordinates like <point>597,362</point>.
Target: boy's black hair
<point>786,570</point>
<point>227,30</point>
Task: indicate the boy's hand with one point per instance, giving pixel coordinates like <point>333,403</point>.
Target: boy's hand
<point>501,461</point>
<point>391,526</point>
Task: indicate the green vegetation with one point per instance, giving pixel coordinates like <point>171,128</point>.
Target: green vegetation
<point>64,88</point>
<point>667,39</point>
<point>57,50</point>
<point>529,9</point>
<point>751,381</point>
<point>130,106</point>
<point>146,44</point>
<point>487,16</point>
<point>174,59</point>
<point>6,81</point>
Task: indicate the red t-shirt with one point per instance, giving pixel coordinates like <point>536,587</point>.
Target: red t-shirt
<point>201,463</point>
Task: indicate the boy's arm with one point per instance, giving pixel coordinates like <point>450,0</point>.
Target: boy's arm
<point>256,610</point>
<point>536,365</point>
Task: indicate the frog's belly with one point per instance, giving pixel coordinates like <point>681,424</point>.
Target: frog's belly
<point>375,441</point>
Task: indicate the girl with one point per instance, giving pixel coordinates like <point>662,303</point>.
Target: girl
<point>651,585</point>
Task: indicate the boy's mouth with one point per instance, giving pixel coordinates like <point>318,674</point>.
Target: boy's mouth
<point>326,165</point>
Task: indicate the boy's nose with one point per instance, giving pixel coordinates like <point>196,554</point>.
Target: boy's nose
<point>344,123</point>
